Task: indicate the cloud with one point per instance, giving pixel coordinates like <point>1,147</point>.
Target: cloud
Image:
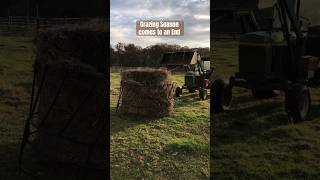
<point>195,13</point>
<point>202,16</point>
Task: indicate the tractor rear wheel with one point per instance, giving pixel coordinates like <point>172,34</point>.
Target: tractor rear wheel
<point>220,96</point>
<point>178,91</point>
<point>203,94</point>
<point>262,94</point>
<point>298,102</point>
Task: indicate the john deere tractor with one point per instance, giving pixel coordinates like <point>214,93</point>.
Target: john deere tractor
<point>280,54</point>
<point>197,71</point>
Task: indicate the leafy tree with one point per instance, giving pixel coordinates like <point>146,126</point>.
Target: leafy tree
<point>132,56</point>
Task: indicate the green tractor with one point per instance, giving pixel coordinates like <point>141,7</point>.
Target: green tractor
<point>197,71</point>
<point>282,54</point>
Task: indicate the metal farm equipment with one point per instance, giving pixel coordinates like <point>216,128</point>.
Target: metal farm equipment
<point>283,54</point>
<point>197,71</point>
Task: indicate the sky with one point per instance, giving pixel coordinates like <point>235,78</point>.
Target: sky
<point>194,13</point>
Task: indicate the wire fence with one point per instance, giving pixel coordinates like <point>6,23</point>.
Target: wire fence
<point>22,24</point>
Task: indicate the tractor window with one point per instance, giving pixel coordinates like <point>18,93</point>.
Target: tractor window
<point>276,18</point>
<point>310,10</point>
<point>206,65</point>
<point>269,15</point>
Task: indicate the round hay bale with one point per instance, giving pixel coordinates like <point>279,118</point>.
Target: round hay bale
<point>72,119</point>
<point>147,92</point>
<point>84,44</point>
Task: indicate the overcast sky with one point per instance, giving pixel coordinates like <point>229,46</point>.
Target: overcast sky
<point>195,13</point>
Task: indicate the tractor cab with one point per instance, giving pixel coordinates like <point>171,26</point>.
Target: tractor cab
<point>263,48</point>
<point>277,51</point>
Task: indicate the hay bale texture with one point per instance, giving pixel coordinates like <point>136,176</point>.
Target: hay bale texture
<point>72,123</point>
<point>147,92</point>
<point>82,44</point>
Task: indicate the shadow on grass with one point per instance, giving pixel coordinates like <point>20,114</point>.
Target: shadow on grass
<point>121,121</point>
<point>243,99</point>
<point>9,169</point>
<point>27,86</point>
<point>187,99</point>
<point>237,125</point>
<point>314,112</point>
<point>35,169</point>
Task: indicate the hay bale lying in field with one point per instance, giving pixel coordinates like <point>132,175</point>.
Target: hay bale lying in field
<point>72,122</point>
<point>147,92</point>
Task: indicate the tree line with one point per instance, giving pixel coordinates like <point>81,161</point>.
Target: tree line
<point>131,55</point>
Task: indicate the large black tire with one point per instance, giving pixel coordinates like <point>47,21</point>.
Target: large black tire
<point>220,96</point>
<point>178,91</point>
<point>298,102</point>
<point>263,94</point>
<point>203,94</point>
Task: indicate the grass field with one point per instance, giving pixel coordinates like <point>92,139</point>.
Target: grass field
<point>16,56</point>
<point>254,140</point>
<point>174,147</point>
<point>16,60</point>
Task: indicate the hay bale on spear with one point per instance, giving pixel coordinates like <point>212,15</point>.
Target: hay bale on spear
<point>146,92</point>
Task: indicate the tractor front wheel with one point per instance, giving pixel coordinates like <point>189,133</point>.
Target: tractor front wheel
<point>178,91</point>
<point>220,96</point>
<point>298,102</point>
<point>203,94</point>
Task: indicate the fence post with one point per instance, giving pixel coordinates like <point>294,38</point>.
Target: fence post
<point>37,24</point>
<point>9,23</point>
<point>28,20</point>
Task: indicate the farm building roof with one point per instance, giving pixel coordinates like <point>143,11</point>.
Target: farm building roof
<point>179,58</point>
